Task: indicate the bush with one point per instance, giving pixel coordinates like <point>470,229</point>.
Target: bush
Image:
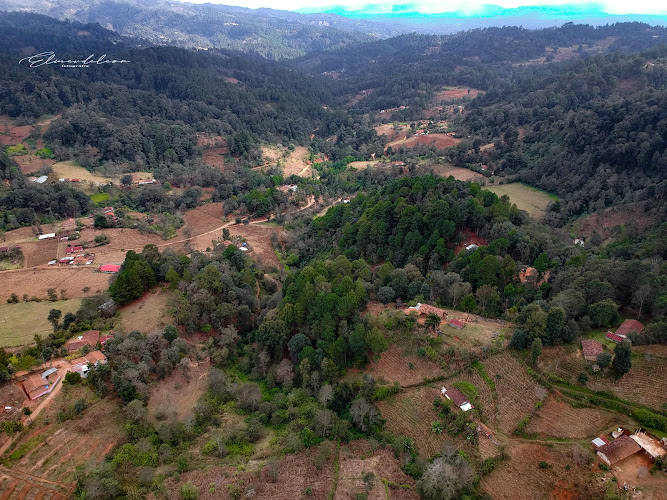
<point>582,378</point>
<point>72,378</point>
<point>189,491</point>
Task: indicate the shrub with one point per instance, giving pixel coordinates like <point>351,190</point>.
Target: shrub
<point>72,378</point>
<point>189,491</point>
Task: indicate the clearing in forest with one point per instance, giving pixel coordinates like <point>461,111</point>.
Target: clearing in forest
<point>146,313</point>
<point>459,173</point>
<point>173,399</point>
<point>394,365</point>
<point>19,323</point>
<point>530,199</point>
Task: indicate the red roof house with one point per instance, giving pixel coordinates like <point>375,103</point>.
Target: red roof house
<point>455,323</point>
<point>591,349</point>
<point>75,249</point>
<point>38,384</point>
<point>80,365</point>
<point>90,338</point>
<point>629,325</point>
<point>457,397</point>
<point>614,337</point>
<point>619,449</point>
<point>109,268</point>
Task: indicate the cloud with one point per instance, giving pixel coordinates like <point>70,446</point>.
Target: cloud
<point>655,7</point>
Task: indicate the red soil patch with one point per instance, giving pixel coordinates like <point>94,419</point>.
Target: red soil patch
<point>214,157</point>
<point>456,93</point>
<point>394,366</point>
<point>439,141</point>
<point>634,471</point>
<point>212,141</point>
<point>32,163</point>
<point>605,221</point>
<point>469,237</point>
<point>11,134</point>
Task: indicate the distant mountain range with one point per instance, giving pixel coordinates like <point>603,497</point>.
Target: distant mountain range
<point>278,34</point>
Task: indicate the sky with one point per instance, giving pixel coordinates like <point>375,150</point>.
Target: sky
<point>466,7</point>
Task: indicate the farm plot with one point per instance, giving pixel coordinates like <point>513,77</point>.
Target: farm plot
<point>32,163</point>
<point>50,454</point>
<point>175,397</point>
<point>214,157</point>
<point>645,383</point>
<point>522,478</point>
<point>459,173</point>
<point>558,419</point>
<point>525,197</point>
<point>19,323</point>
<point>35,282</point>
<point>483,403</point>
<point>147,313</point>
<point>357,459</point>
<point>410,413</point>
<point>565,361</point>
<point>439,141</point>
<point>516,392</point>
<point>37,253</point>
<point>395,365</point>
<point>449,93</point>
<point>70,170</point>
<point>295,474</point>
<point>296,163</point>
<point>259,238</point>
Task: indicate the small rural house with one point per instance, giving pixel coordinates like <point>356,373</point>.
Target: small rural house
<point>628,326</point>
<point>46,236</point>
<point>82,365</point>
<point>619,449</point>
<point>456,323</point>
<point>591,349</point>
<point>74,249</point>
<point>38,384</point>
<point>89,338</point>
<point>471,247</point>
<point>457,397</point>
<point>109,268</point>
<point>652,447</point>
<point>426,309</point>
<point>599,442</point>
<point>614,337</point>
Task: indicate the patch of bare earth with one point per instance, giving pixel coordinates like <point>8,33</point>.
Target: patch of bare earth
<point>439,141</point>
<point>296,163</point>
<point>36,282</point>
<point>459,173</point>
<point>146,313</point>
<point>456,93</point>
<point>407,369</point>
<point>32,164</point>
<point>259,238</point>
<point>606,221</point>
<point>516,392</point>
<point>174,397</point>
<point>522,478</point>
<point>557,418</point>
<point>410,413</point>
<point>634,471</point>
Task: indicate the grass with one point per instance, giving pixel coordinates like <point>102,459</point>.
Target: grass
<point>532,200</point>
<point>468,389</point>
<point>20,322</point>
<point>6,265</point>
<point>99,197</point>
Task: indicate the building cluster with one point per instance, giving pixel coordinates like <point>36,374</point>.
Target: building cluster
<point>622,332</point>
<point>621,444</point>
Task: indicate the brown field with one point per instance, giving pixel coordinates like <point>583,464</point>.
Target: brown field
<point>10,134</point>
<point>440,141</point>
<point>393,366</point>
<point>357,459</point>
<point>410,413</point>
<point>459,173</point>
<point>296,163</point>
<point>642,384</point>
<point>517,393</point>
<point>259,238</point>
<point>271,154</point>
<point>176,395</point>
<point>605,221</point>
<point>564,361</point>
<point>69,170</point>
<point>558,419</point>
<point>25,234</point>
<point>37,253</point>
<point>525,197</point>
<point>456,93</point>
<point>388,130</point>
<point>214,157</point>
<point>205,140</point>
<point>32,163</point>
<point>521,478</point>
<point>147,313</point>
<point>36,282</point>
<point>45,467</point>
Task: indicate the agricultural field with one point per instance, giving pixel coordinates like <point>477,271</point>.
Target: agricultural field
<point>452,93</point>
<point>483,401</point>
<point>296,163</point>
<point>258,237</point>
<point>174,398</point>
<point>556,418</point>
<point>565,361</point>
<point>516,392</point>
<point>407,369</point>
<point>478,332</point>
<point>459,173</point>
<point>439,141</point>
<point>526,198</point>
<point>566,473</point>
<point>19,323</point>
<point>410,413</point>
<point>36,282</point>
<point>41,462</point>
<point>70,170</point>
<point>147,313</point>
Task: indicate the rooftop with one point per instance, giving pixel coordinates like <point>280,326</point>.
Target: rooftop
<point>620,448</point>
<point>591,348</point>
<point>629,325</point>
<point>650,445</point>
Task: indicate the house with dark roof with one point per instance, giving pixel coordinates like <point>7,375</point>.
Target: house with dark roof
<point>619,449</point>
<point>591,349</point>
<point>456,323</point>
<point>628,326</point>
<point>457,397</point>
